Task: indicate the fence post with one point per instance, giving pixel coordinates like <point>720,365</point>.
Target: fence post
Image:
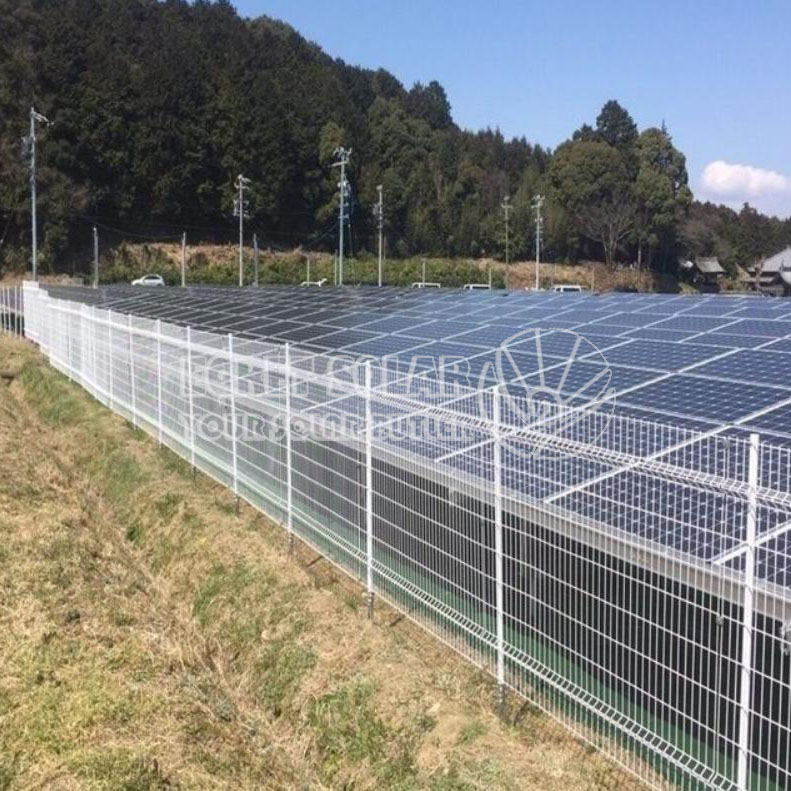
<point>190,399</point>
<point>110,357</point>
<point>745,684</point>
<point>83,348</point>
<point>67,312</point>
<point>497,472</point>
<point>289,494</point>
<point>159,381</point>
<point>232,387</point>
<point>3,309</point>
<point>93,333</point>
<point>132,369</point>
<point>369,493</point>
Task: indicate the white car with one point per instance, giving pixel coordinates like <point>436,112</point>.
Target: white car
<point>567,289</point>
<point>149,280</point>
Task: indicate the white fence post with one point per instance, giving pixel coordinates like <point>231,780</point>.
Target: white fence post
<point>111,397</point>
<point>83,348</point>
<point>132,369</point>
<point>93,333</point>
<point>69,344</point>
<point>190,399</point>
<point>369,493</point>
<point>289,494</point>
<point>745,684</point>
<point>497,472</point>
<point>232,387</point>
<point>159,381</point>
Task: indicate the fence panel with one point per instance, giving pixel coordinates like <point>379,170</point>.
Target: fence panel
<point>630,578</point>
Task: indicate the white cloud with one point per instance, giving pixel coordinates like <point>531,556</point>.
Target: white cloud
<point>722,179</point>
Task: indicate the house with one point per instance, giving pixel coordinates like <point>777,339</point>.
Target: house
<point>705,273</point>
<point>772,274</point>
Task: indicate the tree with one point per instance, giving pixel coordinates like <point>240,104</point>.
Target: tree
<point>430,103</point>
<point>661,194</point>
<point>615,126</point>
<point>591,182</point>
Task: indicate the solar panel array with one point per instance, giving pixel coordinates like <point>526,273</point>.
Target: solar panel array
<point>713,359</point>
<point>714,364</point>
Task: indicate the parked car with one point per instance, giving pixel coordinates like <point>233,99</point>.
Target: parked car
<point>567,289</point>
<point>149,280</point>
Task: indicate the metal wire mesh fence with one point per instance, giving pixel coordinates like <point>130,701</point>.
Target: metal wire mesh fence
<point>11,315</point>
<point>631,578</point>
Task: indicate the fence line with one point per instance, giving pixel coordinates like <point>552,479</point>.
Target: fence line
<point>648,610</point>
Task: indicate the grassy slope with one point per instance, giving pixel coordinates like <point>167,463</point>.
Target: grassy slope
<point>149,638</point>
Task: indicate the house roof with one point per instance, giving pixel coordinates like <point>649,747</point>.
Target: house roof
<point>777,263</point>
<point>709,266</point>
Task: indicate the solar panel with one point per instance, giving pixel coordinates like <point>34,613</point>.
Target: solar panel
<point>658,355</point>
<point>751,365</point>
<point>683,394</point>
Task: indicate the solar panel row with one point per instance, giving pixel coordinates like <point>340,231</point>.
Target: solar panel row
<point>712,363</point>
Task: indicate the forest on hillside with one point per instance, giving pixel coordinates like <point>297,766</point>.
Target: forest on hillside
<point>157,106</point>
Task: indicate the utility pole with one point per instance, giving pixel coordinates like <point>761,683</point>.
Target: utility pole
<point>379,214</point>
<point>255,260</point>
<point>538,202</point>
<point>506,207</point>
<point>184,259</point>
<point>343,155</point>
<point>30,143</point>
<point>240,209</point>
<point>95,257</point>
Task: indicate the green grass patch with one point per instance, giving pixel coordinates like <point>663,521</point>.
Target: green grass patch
<point>120,769</point>
<point>279,673</point>
<point>55,400</point>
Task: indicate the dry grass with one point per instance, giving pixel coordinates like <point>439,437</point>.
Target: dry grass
<point>151,639</point>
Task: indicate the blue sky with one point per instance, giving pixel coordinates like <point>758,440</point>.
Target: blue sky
<point>718,73</point>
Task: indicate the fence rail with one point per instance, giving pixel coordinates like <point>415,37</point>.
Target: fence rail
<point>630,578</point>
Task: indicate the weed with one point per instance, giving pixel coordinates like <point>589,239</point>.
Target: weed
<point>167,505</point>
<point>471,731</point>
<point>279,672</point>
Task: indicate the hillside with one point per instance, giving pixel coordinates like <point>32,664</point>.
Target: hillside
<point>157,106</point>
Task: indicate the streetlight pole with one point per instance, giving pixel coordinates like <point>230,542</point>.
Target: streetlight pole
<point>31,141</point>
